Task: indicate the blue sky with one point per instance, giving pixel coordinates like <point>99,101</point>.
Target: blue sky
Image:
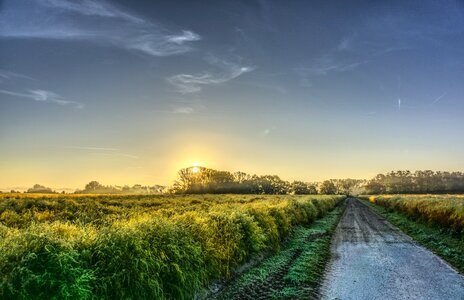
<point>131,91</point>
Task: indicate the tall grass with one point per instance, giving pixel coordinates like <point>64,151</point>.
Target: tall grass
<point>149,247</point>
<point>439,210</point>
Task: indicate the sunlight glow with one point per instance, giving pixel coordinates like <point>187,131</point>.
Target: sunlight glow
<point>195,169</point>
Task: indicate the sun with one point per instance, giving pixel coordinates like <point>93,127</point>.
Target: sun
<point>195,169</point>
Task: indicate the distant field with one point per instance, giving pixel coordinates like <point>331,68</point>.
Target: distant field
<point>138,247</point>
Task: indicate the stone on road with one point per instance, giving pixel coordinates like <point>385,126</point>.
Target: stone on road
<point>371,259</point>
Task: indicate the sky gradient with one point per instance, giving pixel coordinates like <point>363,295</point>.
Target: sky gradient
<point>128,92</point>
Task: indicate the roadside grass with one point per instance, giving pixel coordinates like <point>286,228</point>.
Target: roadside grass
<point>147,247</point>
<point>446,243</point>
<point>295,271</point>
<point>445,211</point>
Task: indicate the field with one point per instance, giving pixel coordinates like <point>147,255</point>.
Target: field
<point>140,247</point>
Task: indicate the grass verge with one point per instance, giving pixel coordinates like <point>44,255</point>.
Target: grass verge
<point>295,271</point>
<point>442,242</point>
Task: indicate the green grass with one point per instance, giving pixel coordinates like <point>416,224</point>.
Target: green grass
<point>444,242</point>
<point>138,247</point>
<point>295,271</point>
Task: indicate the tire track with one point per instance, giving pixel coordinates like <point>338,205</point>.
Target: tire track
<point>278,283</point>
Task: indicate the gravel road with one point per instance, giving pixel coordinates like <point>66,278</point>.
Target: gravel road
<point>371,259</point>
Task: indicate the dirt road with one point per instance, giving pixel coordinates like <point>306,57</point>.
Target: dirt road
<point>373,260</point>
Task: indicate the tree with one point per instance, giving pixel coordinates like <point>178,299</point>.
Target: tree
<point>302,188</point>
<point>328,187</point>
<point>37,188</point>
<point>241,177</point>
<point>93,186</point>
<point>186,179</point>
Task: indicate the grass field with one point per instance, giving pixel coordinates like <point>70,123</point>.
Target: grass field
<point>138,247</point>
<point>435,221</point>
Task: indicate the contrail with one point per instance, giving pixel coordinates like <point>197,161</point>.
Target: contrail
<point>439,98</point>
<point>399,103</point>
<point>93,148</point>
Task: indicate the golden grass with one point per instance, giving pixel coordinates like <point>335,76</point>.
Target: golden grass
<point>446,211</point>
<point>138,247</point>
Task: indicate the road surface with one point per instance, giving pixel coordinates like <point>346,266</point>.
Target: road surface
<point>371,259</point>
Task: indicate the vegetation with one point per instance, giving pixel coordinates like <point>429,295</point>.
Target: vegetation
<point>419,182</point>
<point>434,221</point>
<point>94,187</point>
<point>199,180</point>
<point>295,271</point>
<point>40,189</point>
<point>446,212</point>
<point>138,247</point>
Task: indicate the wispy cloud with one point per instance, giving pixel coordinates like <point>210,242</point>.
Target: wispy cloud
<point>116,154</point>
<point>159,45</point>
<point>104,151</point>
<point>43,96</point>
<point>328,64</point>
<point>337,61</point>
<point>181,106</point>
<point>93,148</point>
<point>345,44</point>
<point>192,83</point>
<point>91,8</point>
<point>439,98</point>
<point>183,110</point>
<point>8,75</point>
<point>96,21</point>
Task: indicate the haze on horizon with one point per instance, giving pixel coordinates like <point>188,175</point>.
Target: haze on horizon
<point>129,92</point>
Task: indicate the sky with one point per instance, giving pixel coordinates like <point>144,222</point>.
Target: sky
<point>128,92</point>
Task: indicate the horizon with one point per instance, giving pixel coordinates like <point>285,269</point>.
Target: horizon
<point>195,169</point>
<point>133,91</point>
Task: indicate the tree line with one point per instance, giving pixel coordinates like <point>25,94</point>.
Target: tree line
<point>199,180</point>
<point>419,182</point>
<point>94,187</point>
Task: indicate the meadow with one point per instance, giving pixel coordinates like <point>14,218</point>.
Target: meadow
<point>139,247</point>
